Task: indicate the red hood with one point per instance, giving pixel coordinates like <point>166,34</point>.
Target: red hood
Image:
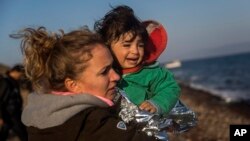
<point>157,40</point>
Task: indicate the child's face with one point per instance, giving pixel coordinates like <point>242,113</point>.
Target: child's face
<point>129,53</point>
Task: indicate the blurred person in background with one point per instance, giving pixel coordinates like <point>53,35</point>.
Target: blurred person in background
<point>11,104</point>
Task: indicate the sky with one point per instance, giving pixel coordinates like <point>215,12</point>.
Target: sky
<point>195,28</point>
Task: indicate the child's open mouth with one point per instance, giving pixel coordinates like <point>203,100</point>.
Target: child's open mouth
<point>132,60</point>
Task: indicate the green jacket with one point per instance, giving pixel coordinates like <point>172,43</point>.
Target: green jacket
<point>154,84</point>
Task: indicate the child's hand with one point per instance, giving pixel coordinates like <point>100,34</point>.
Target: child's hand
<point>147,106</point>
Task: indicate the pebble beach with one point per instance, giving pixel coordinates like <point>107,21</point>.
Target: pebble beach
<point>214,116</point>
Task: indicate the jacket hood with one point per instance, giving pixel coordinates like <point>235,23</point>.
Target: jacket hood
<point>157,40</point>
<point>48,110</point>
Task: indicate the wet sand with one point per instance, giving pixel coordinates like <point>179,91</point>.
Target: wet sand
<point>214,116</point>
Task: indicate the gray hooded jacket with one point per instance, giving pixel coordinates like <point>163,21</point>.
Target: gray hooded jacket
<point>48,110</point>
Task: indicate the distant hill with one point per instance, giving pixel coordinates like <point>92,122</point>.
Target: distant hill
<point>230,49</point>
<point>219,51</point>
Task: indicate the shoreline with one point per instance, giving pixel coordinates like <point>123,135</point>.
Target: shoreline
<point>214,116</point>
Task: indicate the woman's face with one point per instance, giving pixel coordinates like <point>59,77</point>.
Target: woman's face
<point>129,53</point>
<point>99,78</point>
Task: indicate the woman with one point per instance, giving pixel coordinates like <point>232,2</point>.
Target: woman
<point>74,86</point>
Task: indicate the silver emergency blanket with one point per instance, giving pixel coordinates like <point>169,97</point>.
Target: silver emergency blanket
<point>180,119</point>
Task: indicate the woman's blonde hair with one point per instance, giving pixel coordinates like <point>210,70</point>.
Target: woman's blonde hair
<point>50,58</point>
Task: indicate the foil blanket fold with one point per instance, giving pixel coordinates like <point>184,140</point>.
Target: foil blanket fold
<point>179,120</point>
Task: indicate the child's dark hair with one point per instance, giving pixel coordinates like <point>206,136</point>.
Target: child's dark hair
<point>117,22</point>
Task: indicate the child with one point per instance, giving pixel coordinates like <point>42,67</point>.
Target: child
<point>146,84</point>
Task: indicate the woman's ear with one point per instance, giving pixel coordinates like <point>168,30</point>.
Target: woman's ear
<point>71,85</point>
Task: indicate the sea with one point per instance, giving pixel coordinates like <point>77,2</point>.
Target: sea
<point>227,77</point>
